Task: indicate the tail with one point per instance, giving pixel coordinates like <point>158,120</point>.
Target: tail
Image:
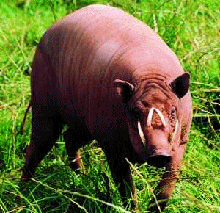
<point>25,115</point>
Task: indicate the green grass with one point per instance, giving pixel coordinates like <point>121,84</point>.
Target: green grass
<point>192,30</point>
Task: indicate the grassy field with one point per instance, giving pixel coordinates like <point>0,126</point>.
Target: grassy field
<point>192,29</point>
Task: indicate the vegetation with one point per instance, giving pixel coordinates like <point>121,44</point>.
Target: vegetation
<point>192,29</point>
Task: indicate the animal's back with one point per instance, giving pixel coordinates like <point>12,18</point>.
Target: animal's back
<point>88,50</point>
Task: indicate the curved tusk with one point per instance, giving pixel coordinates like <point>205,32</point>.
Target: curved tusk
<point>149,117</point>
<point>141,133</point>
<point>161,117</point>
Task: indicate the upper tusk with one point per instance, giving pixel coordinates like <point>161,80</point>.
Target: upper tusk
<point>161,117</point>
<point>149,117</point>
<point>141,133</point>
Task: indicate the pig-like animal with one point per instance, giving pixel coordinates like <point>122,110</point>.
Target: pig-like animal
<point>109,77</point>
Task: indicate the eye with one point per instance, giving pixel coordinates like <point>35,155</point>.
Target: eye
<point>173,112</point>
<point>136,113</point>
<point>145,103</point>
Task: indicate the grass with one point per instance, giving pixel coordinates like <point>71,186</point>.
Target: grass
<point>192,30</point>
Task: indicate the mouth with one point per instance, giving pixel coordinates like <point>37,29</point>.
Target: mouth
<point>159,159</point>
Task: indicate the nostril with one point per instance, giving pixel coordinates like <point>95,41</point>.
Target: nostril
<point>159,159</point>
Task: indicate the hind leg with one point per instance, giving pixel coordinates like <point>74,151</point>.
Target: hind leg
<point>45,132</point>
<point>75,137</point>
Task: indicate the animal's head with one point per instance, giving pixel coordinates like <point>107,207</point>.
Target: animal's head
<point>153,116</point>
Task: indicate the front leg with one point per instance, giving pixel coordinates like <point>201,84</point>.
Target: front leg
<point>170,177</point>
<point>120,170</point>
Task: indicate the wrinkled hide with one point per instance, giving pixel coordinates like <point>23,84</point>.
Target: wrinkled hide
<point>109,77</point>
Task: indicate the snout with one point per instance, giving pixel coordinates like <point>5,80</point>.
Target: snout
<point>159,158</point>
<point>159,150</point>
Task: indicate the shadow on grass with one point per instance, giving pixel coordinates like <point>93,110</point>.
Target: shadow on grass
<point>58,189</point>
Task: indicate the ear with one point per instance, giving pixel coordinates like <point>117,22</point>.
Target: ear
<point>124,89</point>
<point>180,85</point>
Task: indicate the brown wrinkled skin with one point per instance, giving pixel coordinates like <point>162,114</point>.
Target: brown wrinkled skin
<point>74,69</point>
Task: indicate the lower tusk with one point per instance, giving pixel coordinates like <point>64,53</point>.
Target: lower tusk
<point>175,131</point>
<point>141,133</point>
